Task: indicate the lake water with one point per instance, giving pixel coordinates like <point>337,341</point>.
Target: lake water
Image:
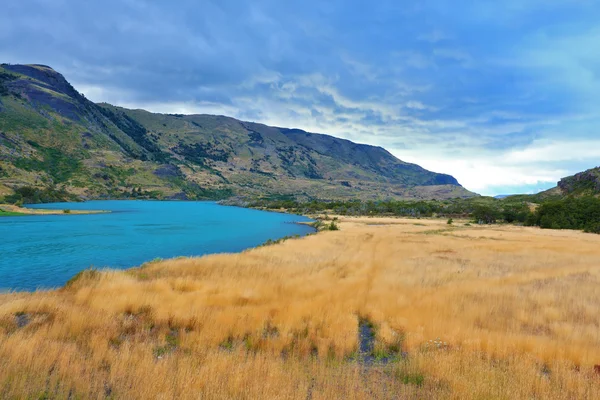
<point>46,251</point>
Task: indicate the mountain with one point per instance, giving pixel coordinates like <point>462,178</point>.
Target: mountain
<point>56,143</point>
<point>581,184</point>
<point>586,183</point>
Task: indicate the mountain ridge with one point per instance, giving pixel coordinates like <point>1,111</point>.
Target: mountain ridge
<point>51,136</point>
<point>584,183</point>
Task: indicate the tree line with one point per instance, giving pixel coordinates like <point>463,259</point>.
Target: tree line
<point>581,213</point>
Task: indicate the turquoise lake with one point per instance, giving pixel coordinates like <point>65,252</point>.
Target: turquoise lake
<point>38,252</point>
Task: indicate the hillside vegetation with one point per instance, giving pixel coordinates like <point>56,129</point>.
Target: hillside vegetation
<point>570,212</point>
<point>583,183</point>
<point>53,140</point>
<point>382,308</point>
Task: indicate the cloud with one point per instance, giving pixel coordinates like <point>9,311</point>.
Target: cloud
<point>555,151</point>
<point>539,166</point>
<point>503,95</point>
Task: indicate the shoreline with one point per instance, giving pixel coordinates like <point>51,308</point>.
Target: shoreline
<point>15,211</point>
<point>12,210</point>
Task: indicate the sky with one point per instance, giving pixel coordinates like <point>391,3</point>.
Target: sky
<point>503,95</point>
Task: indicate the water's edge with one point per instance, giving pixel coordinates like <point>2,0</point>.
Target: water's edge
<point>205,246</point>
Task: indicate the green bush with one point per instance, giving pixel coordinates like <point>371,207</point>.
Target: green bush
<point>487,210</point>
<point>593,227</point>
<point>333,226</point>
<point>486,214</point>
<point>317,224</point>
<point>582,213</point>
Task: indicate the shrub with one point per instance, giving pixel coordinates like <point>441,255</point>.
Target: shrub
<point>410,378</point>
<point>333,226</point>
<point>571,213</point>
<point>593,228</point>
<point>485,214</point>
<point>450,221</point>
<point>66,211</point>
<point>317,224</point>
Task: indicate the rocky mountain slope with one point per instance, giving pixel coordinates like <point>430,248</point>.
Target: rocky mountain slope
<point>586,183</point>
<point>56,143</point>
<point>583,183</point>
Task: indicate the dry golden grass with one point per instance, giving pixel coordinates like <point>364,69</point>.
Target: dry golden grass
<point>515,310</point>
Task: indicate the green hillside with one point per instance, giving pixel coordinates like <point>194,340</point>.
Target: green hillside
<point>581,184</point>
<point>56,144</point>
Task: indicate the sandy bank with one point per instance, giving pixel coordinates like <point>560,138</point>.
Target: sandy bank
<point>16,210</point>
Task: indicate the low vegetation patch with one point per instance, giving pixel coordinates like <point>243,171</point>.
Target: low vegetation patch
<point>10,213</point>
<point>581,213</point>
<point>58,165</point>
<point>333,226</point>
<point>570,213</point>
<point>34,195</point>
<point>271,242</point>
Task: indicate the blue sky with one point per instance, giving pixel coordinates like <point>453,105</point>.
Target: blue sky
<point>504,95</point>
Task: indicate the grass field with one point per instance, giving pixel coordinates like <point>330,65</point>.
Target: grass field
<point>382,308</point>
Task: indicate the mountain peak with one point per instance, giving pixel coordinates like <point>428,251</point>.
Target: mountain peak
<point>28,75</point>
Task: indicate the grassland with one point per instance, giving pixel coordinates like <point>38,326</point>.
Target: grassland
<point>382,308</point>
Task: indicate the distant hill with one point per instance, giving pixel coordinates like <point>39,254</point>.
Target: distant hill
<point>586,183</point>
<point>53,140</point>
<point>583,183</point>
